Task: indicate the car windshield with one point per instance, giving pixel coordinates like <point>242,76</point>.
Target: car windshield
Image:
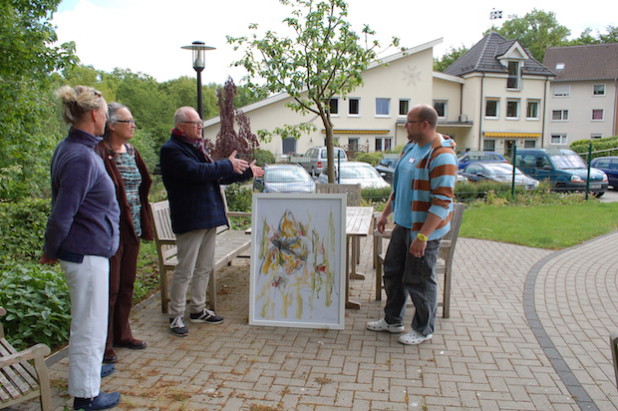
<point>567,161</point>
<point>285,175</point>
<point>337,154</point>
<point>358,172</point>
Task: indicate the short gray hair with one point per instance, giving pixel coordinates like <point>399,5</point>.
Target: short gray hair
<point>181,115</point>
<point>112,116</point>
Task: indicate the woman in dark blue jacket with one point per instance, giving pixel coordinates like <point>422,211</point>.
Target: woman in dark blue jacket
<point>82,233</point>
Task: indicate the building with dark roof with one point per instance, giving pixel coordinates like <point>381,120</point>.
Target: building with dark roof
<point>583,100</point>
<point>503,96</point>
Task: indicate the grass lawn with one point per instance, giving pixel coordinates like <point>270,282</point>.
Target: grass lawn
<point>543,226</point>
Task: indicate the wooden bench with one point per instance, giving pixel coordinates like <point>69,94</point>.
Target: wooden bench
<point>230,244</point>
<point>19,380</point>
<point>444,265</point>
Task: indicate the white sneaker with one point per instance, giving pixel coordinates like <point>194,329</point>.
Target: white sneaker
<point>382,325</point>
<point>414,338</point>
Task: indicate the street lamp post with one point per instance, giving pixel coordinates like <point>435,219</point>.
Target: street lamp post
<point>198,49</point>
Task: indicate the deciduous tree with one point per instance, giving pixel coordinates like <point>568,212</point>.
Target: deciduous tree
<point>536,31</point>
<point>323,59</point>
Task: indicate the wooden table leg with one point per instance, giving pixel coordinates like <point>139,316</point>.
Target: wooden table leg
<point>348,302</point>
<point>354,275</point>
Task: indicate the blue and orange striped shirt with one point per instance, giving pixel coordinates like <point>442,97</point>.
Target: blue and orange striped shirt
<point>424,182</point>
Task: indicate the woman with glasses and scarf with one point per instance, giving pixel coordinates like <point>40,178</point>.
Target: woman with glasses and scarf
<point>132,184</point>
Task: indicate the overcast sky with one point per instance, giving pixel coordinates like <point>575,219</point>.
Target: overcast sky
<point>146,35</point>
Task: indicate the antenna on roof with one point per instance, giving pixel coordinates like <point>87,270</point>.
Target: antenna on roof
<point>495,14</point>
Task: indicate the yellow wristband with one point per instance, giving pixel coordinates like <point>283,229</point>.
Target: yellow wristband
<point>422,237</point>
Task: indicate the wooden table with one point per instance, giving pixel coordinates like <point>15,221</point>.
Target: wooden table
<point>357,224</point>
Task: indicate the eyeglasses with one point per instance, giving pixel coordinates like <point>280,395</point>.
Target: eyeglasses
<point>127,121</point>
<point>195,123</point>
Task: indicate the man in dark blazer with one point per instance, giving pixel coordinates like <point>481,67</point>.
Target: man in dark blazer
<point>192,180</point>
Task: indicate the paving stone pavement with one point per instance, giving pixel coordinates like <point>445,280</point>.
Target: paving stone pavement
<point>529,330</point>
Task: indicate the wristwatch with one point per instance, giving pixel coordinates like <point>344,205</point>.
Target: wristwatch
<point>422,237</point>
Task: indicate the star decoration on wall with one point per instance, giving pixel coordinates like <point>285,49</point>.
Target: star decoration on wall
<point>411,75</point>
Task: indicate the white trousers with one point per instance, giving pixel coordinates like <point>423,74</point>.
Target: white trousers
<point>88,283</point>
<point>196,254</point>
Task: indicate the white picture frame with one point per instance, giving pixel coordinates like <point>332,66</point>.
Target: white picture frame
<point>298,260</point>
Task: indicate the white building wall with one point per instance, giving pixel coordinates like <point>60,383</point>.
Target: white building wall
<point>405,78</point>
<point>580,103</point>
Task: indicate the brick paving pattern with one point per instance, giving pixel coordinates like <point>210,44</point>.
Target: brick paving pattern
<point>486,356</point>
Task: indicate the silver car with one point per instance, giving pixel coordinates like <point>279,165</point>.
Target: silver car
<point>284,178</point>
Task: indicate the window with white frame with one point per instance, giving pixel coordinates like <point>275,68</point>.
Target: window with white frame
<point>560,115</point>
<point>561,90</point>
<point>492,106</point>
<point>334,106</point>
<point>532,110</point>
<point>404,106</point>
<point>598,90</point>
<point>596,135</point>
<point>353,106</point>
<point>559,139</point>
<point>440,106</point>
<point>383,107</point>
<point>529,143</point>
<point>512,109</point>
<point>513,80</point>
<point>383,143</point>
<point>353,143</point>
<point>289,145</point>
<point>597,114</point>
<point>489,145</point>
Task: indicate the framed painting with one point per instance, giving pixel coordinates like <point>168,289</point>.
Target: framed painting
<point>298,260</point>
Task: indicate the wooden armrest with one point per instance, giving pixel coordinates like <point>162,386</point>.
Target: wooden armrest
<point>445,243</point>
<point>387,233</point>
<point>36,351</point>
<point>167,241</point>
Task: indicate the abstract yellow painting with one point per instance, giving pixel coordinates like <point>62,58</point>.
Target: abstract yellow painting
<point>297,265</point>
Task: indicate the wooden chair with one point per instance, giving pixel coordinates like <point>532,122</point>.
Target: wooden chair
<point>445,260</point>
<point>19,380</point>
<point>353,192</point>
<point>230,244</point>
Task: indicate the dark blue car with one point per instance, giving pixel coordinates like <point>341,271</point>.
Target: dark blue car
<point>479,156</point>
<point>609,165</point>
<point>386,168</point>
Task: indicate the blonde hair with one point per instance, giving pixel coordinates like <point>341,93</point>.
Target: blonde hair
<point>77,101</point>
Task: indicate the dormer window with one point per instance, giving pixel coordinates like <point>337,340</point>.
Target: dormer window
<point>513,81</point>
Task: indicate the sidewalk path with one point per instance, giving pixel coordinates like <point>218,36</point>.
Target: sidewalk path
<point>529,330</point>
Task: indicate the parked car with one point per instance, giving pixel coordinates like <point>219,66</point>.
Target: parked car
<point>315,160</point>
<point>284,178</point>
<point>475,156</point>
<point>498,172</point>
<point>565,170</point>
<point>386,167</point>
<point>355,172</point>
<point>609,165</point>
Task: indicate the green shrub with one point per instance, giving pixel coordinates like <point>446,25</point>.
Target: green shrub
<point>376,194</point>
<point>601,147</point>
<point>238,197</point>
<point>37,302</point>
<point>22,229</point>
<point>371,158</point>
<point>263,157</point>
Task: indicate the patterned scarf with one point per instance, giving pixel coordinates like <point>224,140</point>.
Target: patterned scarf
<point>198,144</point>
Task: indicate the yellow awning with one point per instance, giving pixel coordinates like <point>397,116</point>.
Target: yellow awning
<point>348,131</point>
<point>511,135</point>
